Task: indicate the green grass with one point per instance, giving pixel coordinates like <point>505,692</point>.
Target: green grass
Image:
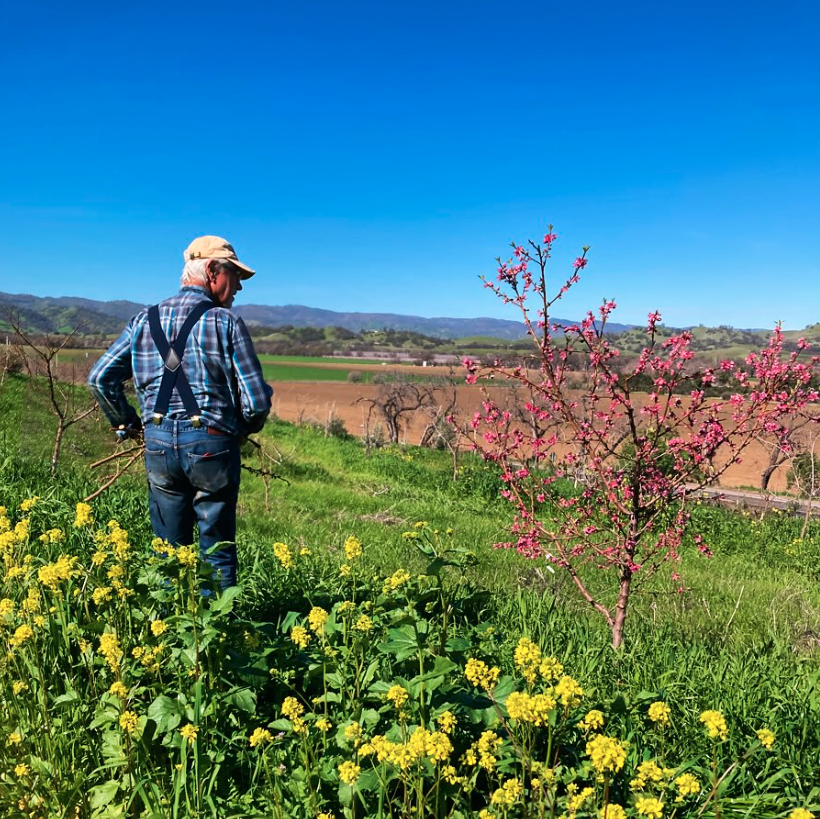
<point>319,359</point>
<point>743,635</point>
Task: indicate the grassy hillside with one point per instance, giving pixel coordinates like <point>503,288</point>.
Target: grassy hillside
<point>740,633</point>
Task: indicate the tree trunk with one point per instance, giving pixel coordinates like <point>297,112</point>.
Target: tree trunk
<point>620,610</point>
<point>58,445</point>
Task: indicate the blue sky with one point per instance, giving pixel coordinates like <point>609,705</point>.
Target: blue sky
<point>378,157</point>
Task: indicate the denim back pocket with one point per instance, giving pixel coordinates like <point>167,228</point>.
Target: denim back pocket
<point>211,472</point>
<point>156,465</point>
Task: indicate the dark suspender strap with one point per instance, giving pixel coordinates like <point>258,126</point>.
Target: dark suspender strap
<point>173,376</point>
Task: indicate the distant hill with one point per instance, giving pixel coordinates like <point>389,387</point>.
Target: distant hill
<point>61,314</point>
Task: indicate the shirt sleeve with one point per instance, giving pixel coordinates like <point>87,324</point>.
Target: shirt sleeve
<point>107,378</point>
<point>254,392</point>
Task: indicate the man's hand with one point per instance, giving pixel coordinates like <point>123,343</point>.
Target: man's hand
<point>132,431</point>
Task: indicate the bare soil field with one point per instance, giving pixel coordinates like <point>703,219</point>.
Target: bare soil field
<point>318,402</point>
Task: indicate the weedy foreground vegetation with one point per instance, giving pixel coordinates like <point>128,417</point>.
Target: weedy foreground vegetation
<point>381,658</point>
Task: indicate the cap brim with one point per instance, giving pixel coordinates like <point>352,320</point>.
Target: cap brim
<point>245,271</point>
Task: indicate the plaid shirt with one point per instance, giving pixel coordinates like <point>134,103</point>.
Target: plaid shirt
<point>220,363</point>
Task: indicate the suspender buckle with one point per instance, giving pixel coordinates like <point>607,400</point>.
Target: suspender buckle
<point>196,421</point>
<point>158,418</point>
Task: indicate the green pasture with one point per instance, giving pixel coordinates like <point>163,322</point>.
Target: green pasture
<point>738,632</point>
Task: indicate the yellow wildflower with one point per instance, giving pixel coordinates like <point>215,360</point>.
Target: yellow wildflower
<point>118,690</point>
<point>6,607</point>
<point>260,736</point>
<point>128,721</point>
<point>527,658</point>
<point>353,733</point>
<point>21,634</point>
<point>715,724</point>
<point>99,557</point>
<point>344,570</point>
<point>686,785</point>
<point>353,548</point>
<point>648,771</point>
<point>364,623</point>
<point>650,807</point>
<point>292,708</point>
<point>607,754</point>
<point>300,636</point>
<point>349,772</point>
<point>29,504</point>
<point>766,738</point>
<point>323,724</point>
<point>158,627</point>
<point>447,722</point>
<point>800,813</point>
<point>317,618</point>
<point>396,580</point>
<point>568,692</point>
<point>659,713</point>
<point>397,695</point>
<point>612,812</point>
<point>84,516</point>
<point>550,669</point>
<point>281,551</point>
<point>52,574</point>
<point>100,595</point>
<point>480,674</point>
<point>593,721</point>
<point>346,606</point>
<point>19,687</point>
<point>438,746</point>
<point>508,793</point>
<point>186,557</point>
<point>575,801</point>
<point>15,738</point>
<point>189,732</point>
<point>21,769</point>
<point>110,649</point>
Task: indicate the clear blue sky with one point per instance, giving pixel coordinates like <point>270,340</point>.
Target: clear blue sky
<point>379,156</point>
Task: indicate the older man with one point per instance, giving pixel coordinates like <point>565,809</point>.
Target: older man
<point>201,389</point>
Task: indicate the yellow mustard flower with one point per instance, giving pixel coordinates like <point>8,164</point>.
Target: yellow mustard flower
<point>612,811</point>
<point>715,724</point>
<point>300,636</point>
<point>129,721</point>
<point>189,732</point>
<point>607,754</point>
<point>479,674</point>
<point>84,516</point>
<point>397,695</point>
<point>29,503</point>
<point>659,713</point>
<point>766,738</point>
<point>447,722</point>
<point>650,807</point>
<point>21,770</point>
<point>364,623</point>
<point>686,785</point>
<point>353,548</point>
<point>260,736</point>
<point>292,708</point>
<point>282,552</point>
<point>317,619</point>
<point>118,690</point>
<point>349,772</point>
<point>593,721</point>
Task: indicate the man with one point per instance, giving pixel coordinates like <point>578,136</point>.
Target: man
<point>201,389</point>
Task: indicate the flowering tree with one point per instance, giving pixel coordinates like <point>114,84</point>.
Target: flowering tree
<point>635,457</point>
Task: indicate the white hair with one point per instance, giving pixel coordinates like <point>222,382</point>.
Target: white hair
<point>195,272</point>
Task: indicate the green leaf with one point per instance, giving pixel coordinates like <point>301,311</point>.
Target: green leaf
<point>224,603</point>
<point>166,713</point>
<point>243,699</point>
<point>101,795</point>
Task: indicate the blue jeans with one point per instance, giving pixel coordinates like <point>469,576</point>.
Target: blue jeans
<point>193,477</point>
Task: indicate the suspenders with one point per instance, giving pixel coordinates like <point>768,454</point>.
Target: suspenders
<point>173,376</point>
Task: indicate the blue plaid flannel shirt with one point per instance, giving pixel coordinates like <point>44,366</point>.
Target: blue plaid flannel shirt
<point>220,363</point>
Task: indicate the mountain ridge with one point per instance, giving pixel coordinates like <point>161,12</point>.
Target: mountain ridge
<point>60,313</point>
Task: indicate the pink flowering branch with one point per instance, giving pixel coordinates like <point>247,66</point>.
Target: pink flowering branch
<point>633,457</point>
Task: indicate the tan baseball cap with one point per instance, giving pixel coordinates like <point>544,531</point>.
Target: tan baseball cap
<point>215,247</point>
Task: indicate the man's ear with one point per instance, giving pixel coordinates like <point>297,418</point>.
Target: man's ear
<point>209,270</point>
